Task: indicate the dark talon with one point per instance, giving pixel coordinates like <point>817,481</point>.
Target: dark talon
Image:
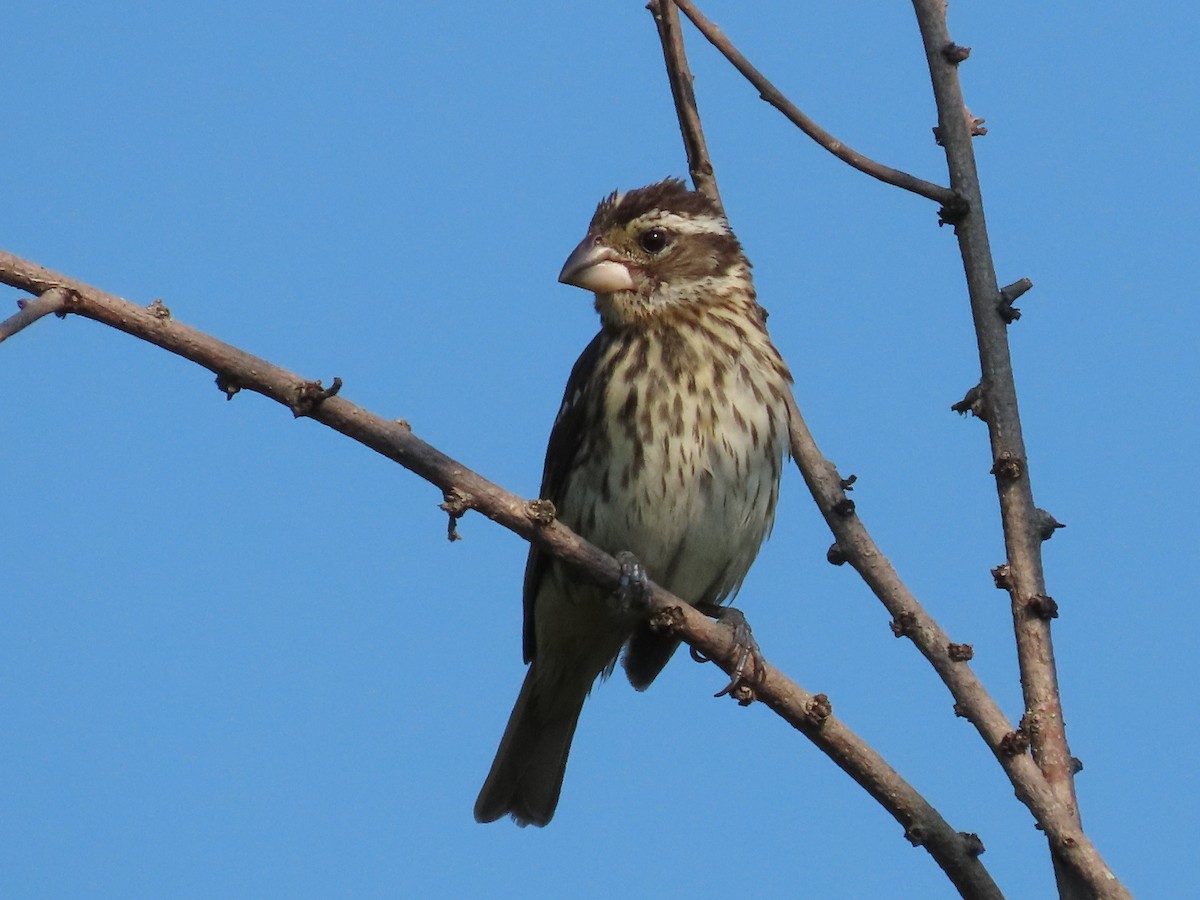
<point>741,684</point>
<point>633,589</point>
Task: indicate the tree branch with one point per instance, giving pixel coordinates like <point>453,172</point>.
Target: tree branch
<point>775,97</point>
<point>1023,576</point>
<point>464,489</point>
<point>855,546</point>
<point>52,301</point>
<point>666,18</point>
<point>854,543</point>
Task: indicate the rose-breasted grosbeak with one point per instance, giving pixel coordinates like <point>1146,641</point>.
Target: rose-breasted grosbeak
<point>669,444</point>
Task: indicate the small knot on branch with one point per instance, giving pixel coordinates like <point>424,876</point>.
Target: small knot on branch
<point>1003,577</point>
<point>954,54</point>
<point>835,555</point>
<point>71,300</point>
<point>844,507</point>
<point>847,483</point>
<point>541,512</point>
<point>312,394</point>
<point>1076,765</point>
<point>1031,724</point>
<point>916,835</point>
<point>158,309</point>
<point>975,124</point>
<point>1046,524</point>
<point>960,652</point>
<point>973,403</point>
<point>670,620</point>
<point>972,845</point>
<point>741,693</point>
<point>818,709</point>
<point>1015,742</point>
<point>974,127</point>
<point>903,624</point>
<point>1008,466</point>
<point>455,506</point>
<point>1042,606</point>
<point>953,211</point>
<point>227,385</point>
<point>1008,296</point>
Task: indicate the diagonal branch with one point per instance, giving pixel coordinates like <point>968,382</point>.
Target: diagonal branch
<point>666,18</point>
<point>775,97</point>
<point>1022,574</point>
<point>810,714</point>
<point>855,546</point>
<point>52,301</point>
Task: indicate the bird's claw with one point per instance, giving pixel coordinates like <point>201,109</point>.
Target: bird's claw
<point>633,589</point>
<point>750,667</point>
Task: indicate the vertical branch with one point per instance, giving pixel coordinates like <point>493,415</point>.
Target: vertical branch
<point>666,18</point>
<point>1023,575</point>
<point>1081,870</point>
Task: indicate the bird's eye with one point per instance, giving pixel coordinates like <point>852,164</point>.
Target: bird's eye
<point>654,240</point>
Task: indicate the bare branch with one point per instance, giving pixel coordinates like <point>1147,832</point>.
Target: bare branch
<point>775,97</point>
<point>666,18</point>
<point>1022,532</point>
<point>854,544</point>
<point>1008,296</point>
<point>51,301</point>
<point>909,619</point>
<point>465,490</point>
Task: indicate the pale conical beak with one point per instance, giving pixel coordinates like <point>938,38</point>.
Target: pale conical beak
<point>595,268</point>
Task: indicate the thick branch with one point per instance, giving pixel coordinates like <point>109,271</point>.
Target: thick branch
<point>1019,515</point>
<point>775,97</point>
<point>808,713</point>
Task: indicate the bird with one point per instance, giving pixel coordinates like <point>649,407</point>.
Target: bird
<point>667,450</point>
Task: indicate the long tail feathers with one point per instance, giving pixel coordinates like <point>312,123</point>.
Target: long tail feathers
<point>527,774</point>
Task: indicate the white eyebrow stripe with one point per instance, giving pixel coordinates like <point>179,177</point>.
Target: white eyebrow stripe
<point>686,224</point>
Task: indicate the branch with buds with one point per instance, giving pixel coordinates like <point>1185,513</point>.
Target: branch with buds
<point>464,490</point>
<point>1042,781</point>
<point>1046,787</point>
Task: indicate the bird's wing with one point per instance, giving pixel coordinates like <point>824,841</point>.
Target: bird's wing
<point>566,441</point>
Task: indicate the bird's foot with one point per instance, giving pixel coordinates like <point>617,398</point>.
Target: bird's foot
<point>751,666</point>
<point>633,590</point>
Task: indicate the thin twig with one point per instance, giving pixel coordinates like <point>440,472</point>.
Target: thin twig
<point>666,18</point>
<point>775,97</point>
<point>1019,515</point>
<point>808,713</point>
<point>51,301</point>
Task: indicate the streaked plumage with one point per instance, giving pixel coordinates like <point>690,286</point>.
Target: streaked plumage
<point>669,444</point>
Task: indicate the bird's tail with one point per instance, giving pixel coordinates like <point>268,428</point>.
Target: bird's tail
<point>527,774</point>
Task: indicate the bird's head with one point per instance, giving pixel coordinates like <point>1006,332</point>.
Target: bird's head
<point>658,253</point>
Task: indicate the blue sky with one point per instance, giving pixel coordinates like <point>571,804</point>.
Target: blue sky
<point>239,657</point>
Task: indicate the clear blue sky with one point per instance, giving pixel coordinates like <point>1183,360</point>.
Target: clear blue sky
<point>238,656</point>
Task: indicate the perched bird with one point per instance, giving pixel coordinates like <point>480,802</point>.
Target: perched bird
<point>668,445</point>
